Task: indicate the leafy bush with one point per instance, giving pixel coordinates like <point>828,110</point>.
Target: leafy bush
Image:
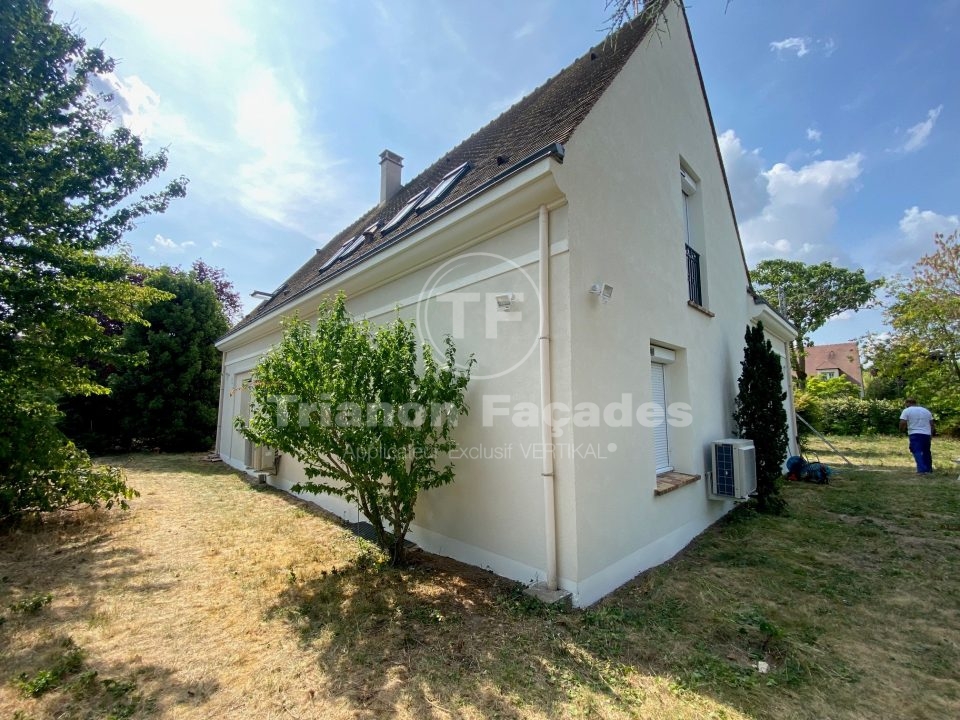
<point>849,416</point>
<point>831,387</point>
<point>885,388</point>
<point>41,470</point>
<point>338,398</point>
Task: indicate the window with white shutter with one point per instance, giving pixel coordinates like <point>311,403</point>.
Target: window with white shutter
<point>661,443</point>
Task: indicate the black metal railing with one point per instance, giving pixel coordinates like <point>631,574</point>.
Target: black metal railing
<point>693,276</point>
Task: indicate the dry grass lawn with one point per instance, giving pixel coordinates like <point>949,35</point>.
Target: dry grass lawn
<point>213,597</point>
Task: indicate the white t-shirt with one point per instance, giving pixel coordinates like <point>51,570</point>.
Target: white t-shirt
<point>918,420</point>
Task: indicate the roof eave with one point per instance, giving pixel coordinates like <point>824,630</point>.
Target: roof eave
<point>530,165</point>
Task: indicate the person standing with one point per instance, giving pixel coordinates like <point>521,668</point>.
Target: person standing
<point>918,423</point>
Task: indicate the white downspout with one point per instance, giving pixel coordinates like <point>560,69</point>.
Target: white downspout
<point>546,432</point>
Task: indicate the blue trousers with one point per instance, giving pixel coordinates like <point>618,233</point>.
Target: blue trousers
<point>920,447</point>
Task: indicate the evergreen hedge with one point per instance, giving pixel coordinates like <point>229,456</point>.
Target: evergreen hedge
<point>849,416</point>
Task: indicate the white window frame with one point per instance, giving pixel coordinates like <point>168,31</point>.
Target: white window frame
<point>659,365</point>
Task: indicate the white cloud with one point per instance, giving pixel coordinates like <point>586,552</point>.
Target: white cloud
<point>744,171</point>
<point>216,243</point>
<point>785,211</point>
<point>135,104</point>
<point>289,172</point>
<point>918,135</point>
<point>801,46</point>
<point>814,135</point>
<point>275,167</point>
<point>524,30</point>
<point>166,245</point>
<point>189,30</point>
<point>900,249</point>
<point>801,211</point>
<point>918,227</point>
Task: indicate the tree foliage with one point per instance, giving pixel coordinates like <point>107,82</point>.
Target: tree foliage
<point>68,189</point>
<point>811,295</point>
<point>921,356</point>
<point>760,416</point>
<point>166,376</point>
<point>835,387</point>
<point>229,298</point>
<point>350,403</point>
<point>167,395</point>
<point>848,415</point>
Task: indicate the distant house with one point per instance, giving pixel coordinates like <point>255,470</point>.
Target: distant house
<point>583,246</point>
<point>837,360</point>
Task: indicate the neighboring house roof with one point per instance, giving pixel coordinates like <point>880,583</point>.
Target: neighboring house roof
<point>537,126</point>
<point>844,357</point>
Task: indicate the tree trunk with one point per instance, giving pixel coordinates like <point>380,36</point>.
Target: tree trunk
<point>798,356</point>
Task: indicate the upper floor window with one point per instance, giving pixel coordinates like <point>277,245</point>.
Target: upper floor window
<point>691,239</point>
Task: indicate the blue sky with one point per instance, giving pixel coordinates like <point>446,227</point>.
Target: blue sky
<point>839,122</point>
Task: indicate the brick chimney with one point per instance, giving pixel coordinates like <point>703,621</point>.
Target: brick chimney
<point>390,166</point>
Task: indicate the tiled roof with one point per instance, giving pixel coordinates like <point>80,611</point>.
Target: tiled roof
<point>844,357</point>
<point>546,117</point>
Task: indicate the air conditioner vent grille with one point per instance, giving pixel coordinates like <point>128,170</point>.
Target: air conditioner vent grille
<point>734,469</point>
<point>724,470</point>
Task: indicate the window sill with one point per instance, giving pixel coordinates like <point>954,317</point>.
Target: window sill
<point>700,308</point>
<point>669,481</point>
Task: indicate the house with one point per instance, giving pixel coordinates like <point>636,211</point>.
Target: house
<point>583,246</point>
<point>836,360</point>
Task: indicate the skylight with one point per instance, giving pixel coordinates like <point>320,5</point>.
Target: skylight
<point>351,245</point>
<point>443,187</point>
<point>395,221</point>
<point>336,256</point>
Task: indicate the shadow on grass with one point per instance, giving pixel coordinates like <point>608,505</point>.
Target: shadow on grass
<point>806,594</point>
<point>70,556</point>
<point>65,680</point>
<point>53,574</point>
<point>437,634</point>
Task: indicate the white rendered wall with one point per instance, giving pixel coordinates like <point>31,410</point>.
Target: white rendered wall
<point>621,176</point>
<point>493,514</point>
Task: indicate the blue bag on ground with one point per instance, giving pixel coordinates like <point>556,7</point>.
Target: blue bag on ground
<point>800,469</point>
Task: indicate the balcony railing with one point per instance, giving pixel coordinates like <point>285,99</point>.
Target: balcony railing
<point>693,276</point>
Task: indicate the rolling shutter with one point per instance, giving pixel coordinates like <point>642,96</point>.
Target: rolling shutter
<point>661,447</point>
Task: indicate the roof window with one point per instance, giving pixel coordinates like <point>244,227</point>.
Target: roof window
<point>443,187</point>
<point>394,222</point>
<point>351,245</point>
<point>337,255</point>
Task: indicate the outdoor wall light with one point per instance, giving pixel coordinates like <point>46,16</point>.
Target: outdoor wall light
<point>505,302</point>
<point>603,291</point>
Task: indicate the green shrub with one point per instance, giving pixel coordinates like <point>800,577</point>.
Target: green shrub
<point>849,416</point>
<point>831,387</point>
<point>41,470</point>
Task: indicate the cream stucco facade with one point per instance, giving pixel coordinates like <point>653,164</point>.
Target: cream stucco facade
<point>616,215</point>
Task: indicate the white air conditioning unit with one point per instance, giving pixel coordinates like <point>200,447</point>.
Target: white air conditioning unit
<point>259,458</point>
<point>734,469</point>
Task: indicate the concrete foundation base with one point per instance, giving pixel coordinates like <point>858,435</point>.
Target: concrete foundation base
<point>550,597</point>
